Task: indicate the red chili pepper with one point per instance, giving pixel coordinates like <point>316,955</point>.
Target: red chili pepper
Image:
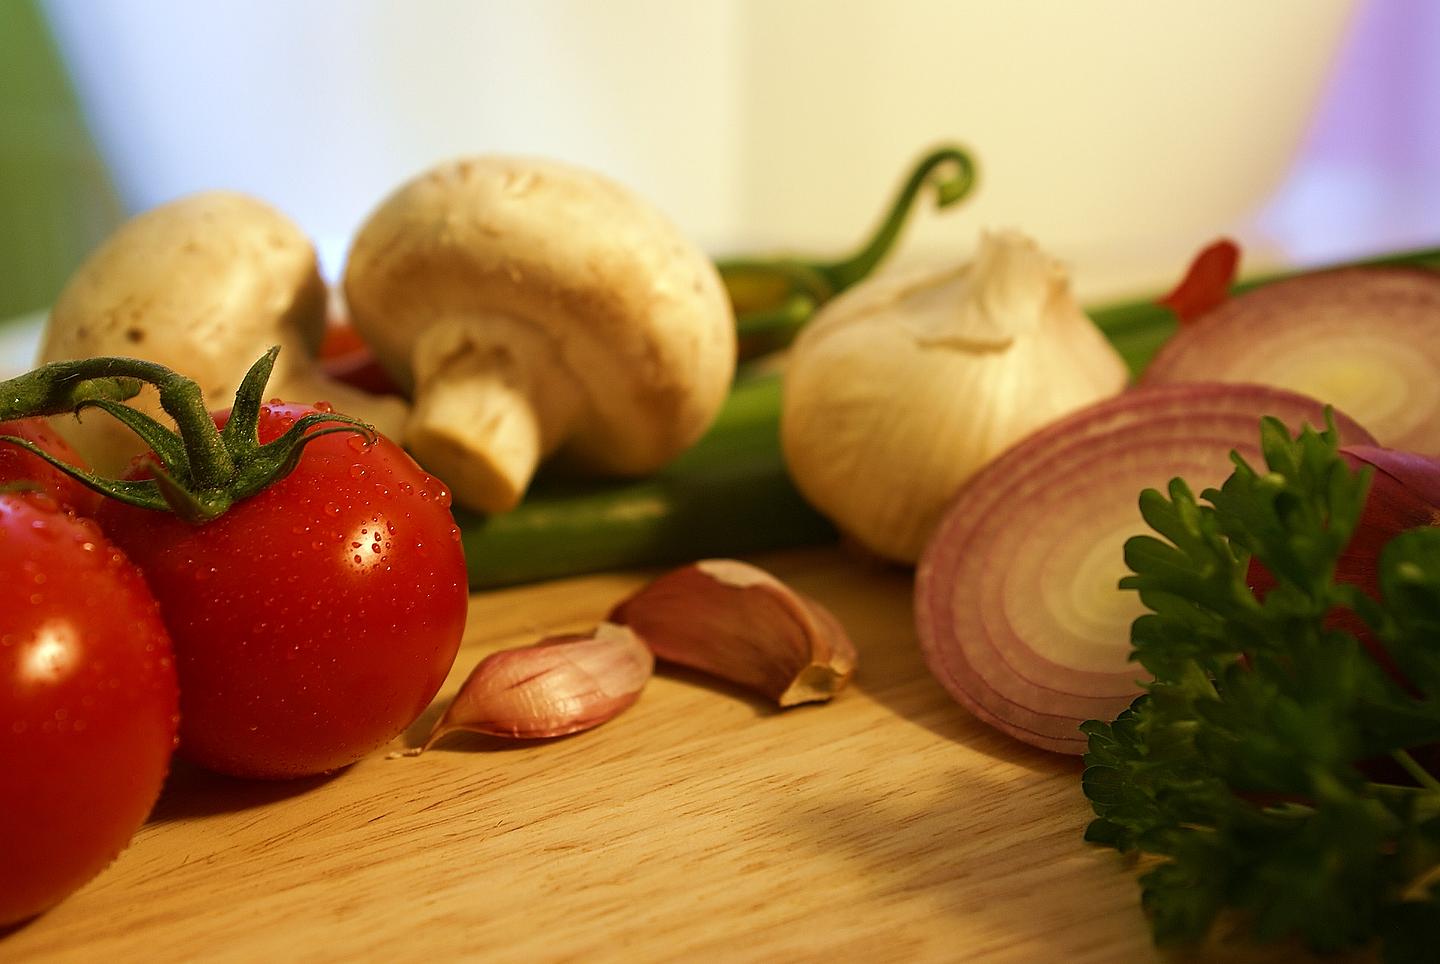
<point>1207,283</point>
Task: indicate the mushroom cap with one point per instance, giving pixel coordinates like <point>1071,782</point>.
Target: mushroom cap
<point>547,259</point>
<point>204,284</point>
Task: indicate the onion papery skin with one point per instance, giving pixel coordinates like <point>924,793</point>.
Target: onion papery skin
<point>1017,606</point>
<point>1366,340</point>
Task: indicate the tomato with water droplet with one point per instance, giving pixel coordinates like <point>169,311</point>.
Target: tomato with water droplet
<point>88,703</point>
<point>20,466</point>
<point>299,655</point>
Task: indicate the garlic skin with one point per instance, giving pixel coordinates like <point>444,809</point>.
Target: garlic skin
<point>907,384</point>
<point>558,686</point>
<point>737,622</point>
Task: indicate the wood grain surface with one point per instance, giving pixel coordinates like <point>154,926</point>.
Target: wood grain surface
<point>887,825</point>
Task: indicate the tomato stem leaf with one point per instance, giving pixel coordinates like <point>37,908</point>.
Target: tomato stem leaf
<point>197,471</point>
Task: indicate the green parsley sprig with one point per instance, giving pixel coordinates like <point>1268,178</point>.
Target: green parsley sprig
<point>1274,767</point>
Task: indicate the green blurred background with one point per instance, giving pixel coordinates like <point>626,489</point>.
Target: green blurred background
<point>57,198</point>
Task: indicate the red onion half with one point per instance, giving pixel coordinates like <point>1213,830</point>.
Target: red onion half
<point>1404,494</point>
<point>1366,340</point>
<point>1016,598</point>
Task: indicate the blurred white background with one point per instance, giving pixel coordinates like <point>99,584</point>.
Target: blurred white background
<point>1121,133</point>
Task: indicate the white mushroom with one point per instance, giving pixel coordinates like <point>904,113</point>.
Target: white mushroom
<point>204,285</point>
<point>536,308</point>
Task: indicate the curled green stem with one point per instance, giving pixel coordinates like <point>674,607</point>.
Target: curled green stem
<point>951,171</point>
<point>790,289</point>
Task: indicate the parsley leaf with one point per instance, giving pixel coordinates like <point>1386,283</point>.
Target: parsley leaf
<point>1274,768</point>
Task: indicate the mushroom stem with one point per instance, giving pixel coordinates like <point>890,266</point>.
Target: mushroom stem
<point>487,411</point>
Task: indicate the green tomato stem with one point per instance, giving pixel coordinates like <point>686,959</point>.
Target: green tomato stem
<point>1417,773</point>
<point>68,386</point>
<point>58,389</point>
<point>200,471</point>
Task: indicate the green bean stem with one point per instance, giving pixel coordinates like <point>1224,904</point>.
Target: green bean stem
<point>801,285</point>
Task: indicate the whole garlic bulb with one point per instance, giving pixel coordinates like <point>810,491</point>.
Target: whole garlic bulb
<point>903,387</point>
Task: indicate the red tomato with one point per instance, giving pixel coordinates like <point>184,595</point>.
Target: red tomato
<point>314,621</point>
<point>17,465</point>
<point>87,703</point>
<point>345,357</point>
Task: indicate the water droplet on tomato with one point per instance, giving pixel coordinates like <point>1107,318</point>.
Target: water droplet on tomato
<point>358,443</point>
<point>357,471</point>
<point>332,509</point>
<point>44,501</point>
<point>323,407</point>
<point>358,559</point>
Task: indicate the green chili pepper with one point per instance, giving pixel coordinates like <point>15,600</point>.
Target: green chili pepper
<point>727,495</point>
<point>730,494</point>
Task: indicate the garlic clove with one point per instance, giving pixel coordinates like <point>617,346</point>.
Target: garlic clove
<point>560,685</point>
<point>736,621</point>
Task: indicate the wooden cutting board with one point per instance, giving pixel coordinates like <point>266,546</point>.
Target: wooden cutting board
<point>701,824</point>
